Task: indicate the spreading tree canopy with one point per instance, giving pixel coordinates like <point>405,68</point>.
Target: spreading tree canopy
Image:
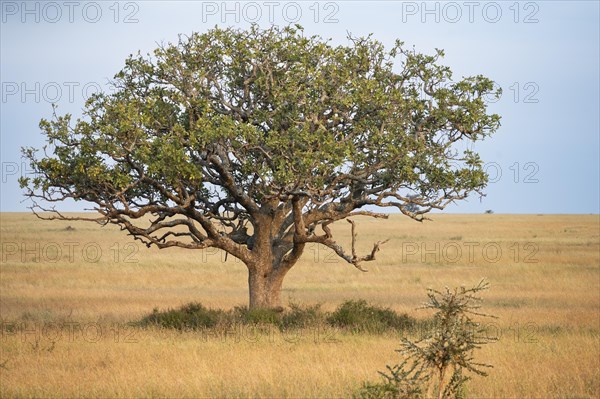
<point>256,141</point>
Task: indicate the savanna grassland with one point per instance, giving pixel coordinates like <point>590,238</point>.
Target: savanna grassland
<point>68,294</point>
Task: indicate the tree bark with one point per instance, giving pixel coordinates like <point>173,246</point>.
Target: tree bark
<point>264,287</point>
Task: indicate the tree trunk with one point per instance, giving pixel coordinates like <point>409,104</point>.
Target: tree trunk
<point>265,288</point>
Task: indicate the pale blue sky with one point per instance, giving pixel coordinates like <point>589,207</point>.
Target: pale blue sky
<point>544,54</point>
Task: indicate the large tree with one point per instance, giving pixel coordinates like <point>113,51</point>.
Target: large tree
<point>256,141</point>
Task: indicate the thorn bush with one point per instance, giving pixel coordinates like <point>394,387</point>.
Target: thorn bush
<point>436,365</point>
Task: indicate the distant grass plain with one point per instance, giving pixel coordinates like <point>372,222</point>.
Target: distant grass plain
<point>68,294</point>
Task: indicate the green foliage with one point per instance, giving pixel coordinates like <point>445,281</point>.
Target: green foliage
<point>359,316</point>
<point>352,316</point>
<point>188,317</point>
<point>256,316</point>
<point>438,362</point>
<point>300,316</point>
<point>284,111</point>
<point>401,381</point>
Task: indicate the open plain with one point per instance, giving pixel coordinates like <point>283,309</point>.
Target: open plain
<point>68,292</point>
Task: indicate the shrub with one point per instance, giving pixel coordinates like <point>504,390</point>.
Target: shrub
<point>300,316</point>
<point>359,316</point>
<point>244,315</point>
<point>188,317</point>
<point>355,316</point>
<point>438,362</point>
<point>401,381</point>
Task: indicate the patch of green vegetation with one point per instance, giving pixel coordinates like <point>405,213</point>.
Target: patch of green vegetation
<point>243,315</point>
<point>353,316</point>
<point>439,362</point>
<point>300,316</point>
<point>188,317</point>
<point>360,316</point>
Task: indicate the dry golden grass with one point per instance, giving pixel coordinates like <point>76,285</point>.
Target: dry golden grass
<point>545,289</point>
